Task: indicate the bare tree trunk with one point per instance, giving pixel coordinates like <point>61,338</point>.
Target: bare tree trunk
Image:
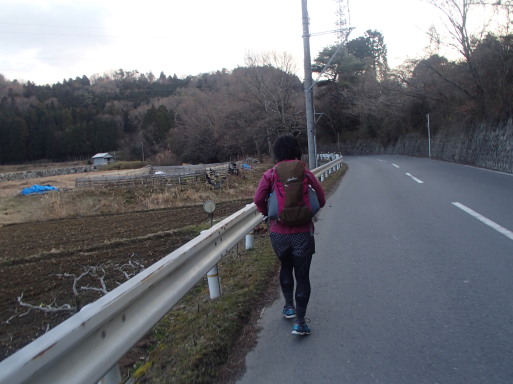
<point>457,15</point>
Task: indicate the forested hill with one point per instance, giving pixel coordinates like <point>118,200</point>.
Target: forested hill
<point>232,114</point>
<point>77,118</point>
<point>206,118</point>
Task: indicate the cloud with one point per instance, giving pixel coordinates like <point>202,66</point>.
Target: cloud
<point>46,41</point>
<point>49,40</point>
<point>49,34</point>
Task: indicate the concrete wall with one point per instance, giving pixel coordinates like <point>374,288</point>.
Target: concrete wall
<point>487,147</point>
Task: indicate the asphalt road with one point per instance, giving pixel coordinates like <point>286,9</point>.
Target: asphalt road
<point>412,281</point>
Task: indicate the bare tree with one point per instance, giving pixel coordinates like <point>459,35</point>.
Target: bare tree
<point>272,85</point>
<point>271,81</point>
<point>457,15</point>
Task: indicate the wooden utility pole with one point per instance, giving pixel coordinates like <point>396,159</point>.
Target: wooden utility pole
<point>308,87</point>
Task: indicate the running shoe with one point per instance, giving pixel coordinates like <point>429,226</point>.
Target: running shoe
<point>289,312</point>
<point>300,328</point>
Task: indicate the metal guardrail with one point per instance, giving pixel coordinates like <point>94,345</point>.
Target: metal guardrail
<point>87,345</point>
<point>324,170</point>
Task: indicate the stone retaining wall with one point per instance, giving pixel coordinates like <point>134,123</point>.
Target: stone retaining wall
<point>490,148</point>
<point>46,173</point>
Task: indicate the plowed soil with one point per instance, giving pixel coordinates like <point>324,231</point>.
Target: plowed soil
<point>34,256</point>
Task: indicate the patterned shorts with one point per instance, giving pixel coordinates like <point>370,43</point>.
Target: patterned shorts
<point>293,244</point>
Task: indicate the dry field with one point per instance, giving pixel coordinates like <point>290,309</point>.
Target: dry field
<point>15,208</point>
<point>43,237</point>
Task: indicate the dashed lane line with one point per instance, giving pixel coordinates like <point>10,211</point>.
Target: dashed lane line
<point>484,220</point>
<point>414,178</point>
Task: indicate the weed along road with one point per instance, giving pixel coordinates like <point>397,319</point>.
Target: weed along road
<point>411,282</point>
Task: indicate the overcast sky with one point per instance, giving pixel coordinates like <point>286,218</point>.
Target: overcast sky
<point>46,41</point>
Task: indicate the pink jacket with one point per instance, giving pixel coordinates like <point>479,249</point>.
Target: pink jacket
<point>265,187</point>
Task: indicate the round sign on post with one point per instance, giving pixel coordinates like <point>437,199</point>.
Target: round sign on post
<point>209,206</point>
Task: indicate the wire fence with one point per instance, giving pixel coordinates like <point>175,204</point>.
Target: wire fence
<point>179,175</point>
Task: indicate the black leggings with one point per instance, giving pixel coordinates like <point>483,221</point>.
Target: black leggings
<point>295,252</point>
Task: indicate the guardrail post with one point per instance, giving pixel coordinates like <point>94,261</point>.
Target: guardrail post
<point>112,377</point>
<point>249,240</point>
<point>213,283</point>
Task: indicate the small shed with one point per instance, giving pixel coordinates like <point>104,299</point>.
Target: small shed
<point>102,159</point>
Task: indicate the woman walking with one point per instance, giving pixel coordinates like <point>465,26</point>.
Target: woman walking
<point>293,244</point>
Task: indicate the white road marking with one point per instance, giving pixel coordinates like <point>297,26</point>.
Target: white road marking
<point>484,220</point>
<point>414,178</point>
<point>488,170</point>
<point>395,165</point>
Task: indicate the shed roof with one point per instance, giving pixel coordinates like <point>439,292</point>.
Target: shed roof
<point>102,155</point>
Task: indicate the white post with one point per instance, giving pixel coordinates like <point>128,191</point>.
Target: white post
<point>112,377</point>
<point>429,136</point>
<point>214,286</point>
<point>213,283</point>
<point>322,177</point>
<point>249,240</point>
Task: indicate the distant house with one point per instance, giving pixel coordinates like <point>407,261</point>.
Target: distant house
<point>102,159</point>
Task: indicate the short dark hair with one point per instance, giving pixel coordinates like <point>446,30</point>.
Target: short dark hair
<point>286,147</point>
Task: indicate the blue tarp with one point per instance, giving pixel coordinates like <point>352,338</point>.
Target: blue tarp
<point>246,166</point>
<point>38,189</point>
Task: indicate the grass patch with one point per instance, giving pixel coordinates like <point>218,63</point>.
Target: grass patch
<point>194,343</point>
<point>118,165</point>
<point>331,183</point>
<point>38,165</point>
<point>196,337</point>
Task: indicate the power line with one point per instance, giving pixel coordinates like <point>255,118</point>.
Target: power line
<point>50,25</point>
<point>326,32</point>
